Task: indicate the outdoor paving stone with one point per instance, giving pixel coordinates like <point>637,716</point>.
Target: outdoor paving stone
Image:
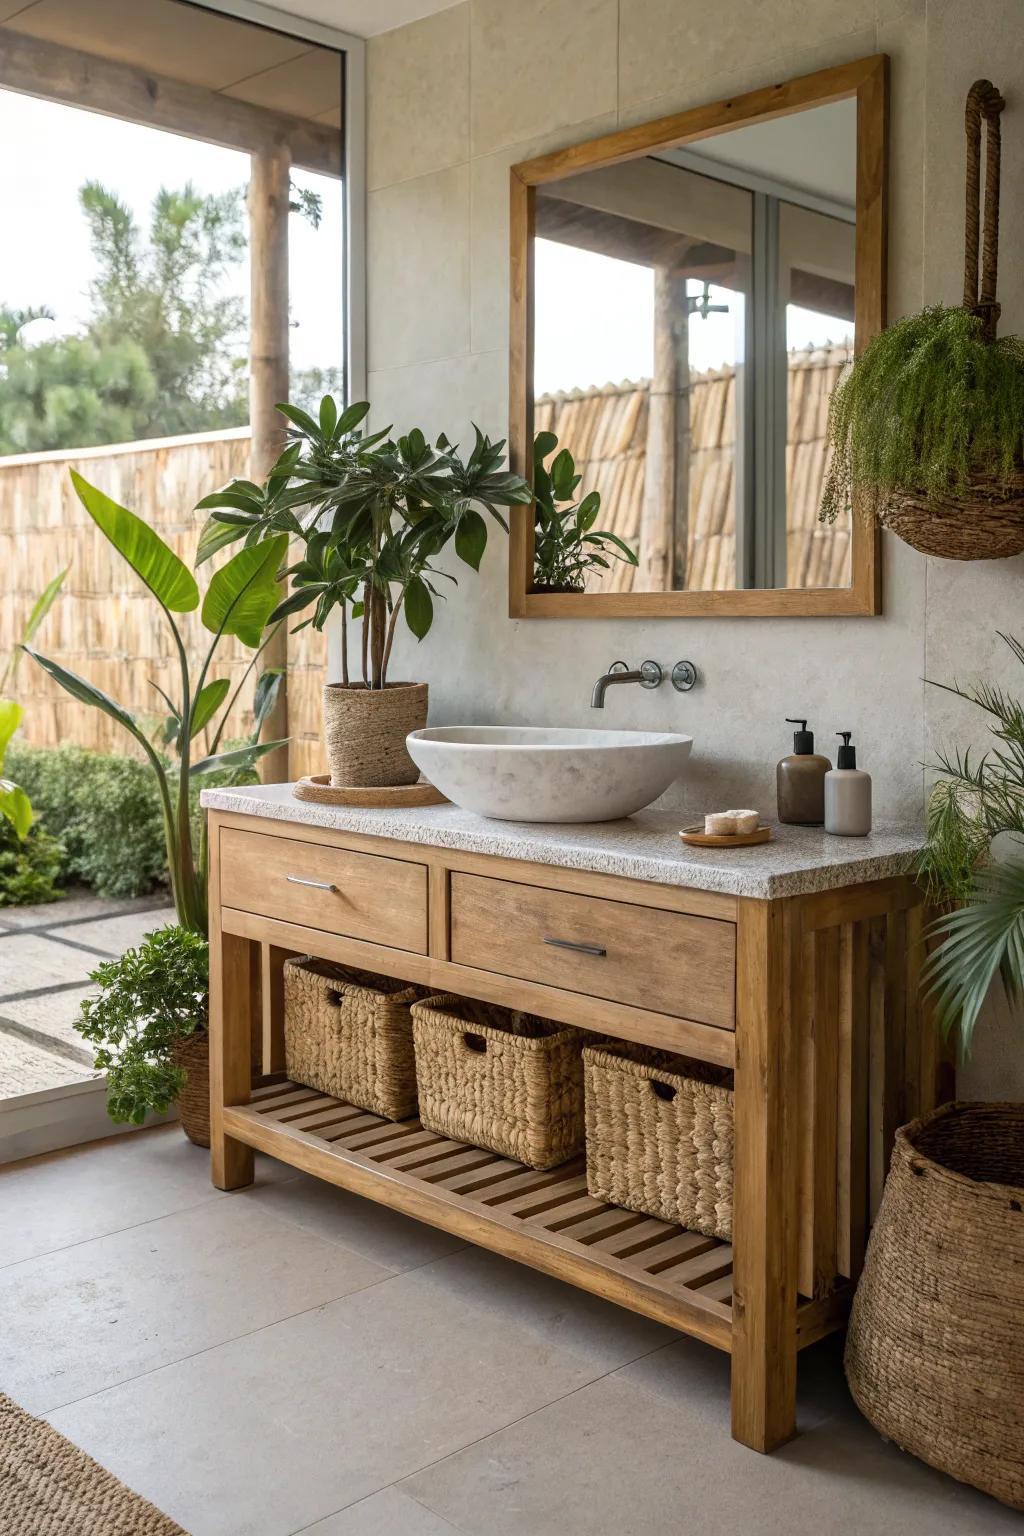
<point>114,935</point>
<point>32,961</point>
<point>28,1068</point>
<point>51,1016</point>
<point>76,904</point>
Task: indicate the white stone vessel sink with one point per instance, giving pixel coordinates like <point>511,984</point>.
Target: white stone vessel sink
<point>528,773</point>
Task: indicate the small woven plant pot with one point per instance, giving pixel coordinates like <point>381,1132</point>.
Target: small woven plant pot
<point>192,1054</point>
<point>660,1135</point>
<point>506,1081</point>
<point>365,731</point>
<point>986,523</point>
<point>348,1033</point>
<point>935,1350</point>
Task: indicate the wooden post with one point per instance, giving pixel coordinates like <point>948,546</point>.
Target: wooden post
<point>269,196</point>
<point>666,466</point>
<point>765,1200</point>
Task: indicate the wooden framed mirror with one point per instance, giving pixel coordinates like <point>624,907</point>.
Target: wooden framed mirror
<point>684,295</point>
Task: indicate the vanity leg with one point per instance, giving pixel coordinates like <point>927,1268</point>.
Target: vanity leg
<point>231,1010</point>
<point>765,1196</point>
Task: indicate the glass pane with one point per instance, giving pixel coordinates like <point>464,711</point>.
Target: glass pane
<point>816,277</point>
<point>641,283</point>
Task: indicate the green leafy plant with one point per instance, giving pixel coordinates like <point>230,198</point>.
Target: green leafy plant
<point>567,545</point>
<point>373,514</point>
<point>238,601</point>
<point>15,804</point>
<point>973,865</point>
<point>928,405</point>
<point>152,997</point>
<point>29,866</point>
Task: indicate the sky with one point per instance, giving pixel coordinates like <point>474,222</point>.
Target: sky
<point>594,322</point>
<point>50,150</point>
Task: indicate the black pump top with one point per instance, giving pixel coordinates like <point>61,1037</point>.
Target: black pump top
<point>847,756</point>
<point>803,739</point>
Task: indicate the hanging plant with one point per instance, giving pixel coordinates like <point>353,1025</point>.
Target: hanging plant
<point>927,428</point>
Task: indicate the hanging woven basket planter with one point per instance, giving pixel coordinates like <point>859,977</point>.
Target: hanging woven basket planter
<point>985,521</point>
<point>928,427</point>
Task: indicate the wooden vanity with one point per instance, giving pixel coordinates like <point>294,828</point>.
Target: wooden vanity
<point>796,964</point>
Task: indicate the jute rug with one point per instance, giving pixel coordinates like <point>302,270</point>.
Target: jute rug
<point>48,1487</point>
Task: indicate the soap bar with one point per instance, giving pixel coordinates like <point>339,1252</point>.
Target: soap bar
<point>744,821</point>
<point>720,824</point>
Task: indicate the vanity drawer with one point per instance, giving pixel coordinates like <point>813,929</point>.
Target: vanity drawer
<point>668,962</point>
<point>360,895</point>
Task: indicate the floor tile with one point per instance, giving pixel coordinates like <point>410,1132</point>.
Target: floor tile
<point>68,1197</point>
<point>30,961</point>
<point>116,934</point>
<point>81,1319</point>
<point>373,1230</point>
<point>275,1431</point>
<point>26,1067</point>
<point>50,1018</point>
<point>388,1513</point>
<point>639,1459</point>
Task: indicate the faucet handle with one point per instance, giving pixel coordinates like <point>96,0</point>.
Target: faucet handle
<point>650,674</point>
<point>684,676</point>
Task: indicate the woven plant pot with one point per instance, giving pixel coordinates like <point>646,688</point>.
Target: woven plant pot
<point>365,731</point>
<point>660,1135</point>
<point>348,1033</point>
<point>192,1054</point>
<point>935,1350</point>
<point>987,523</point>
<point>506,1081</point>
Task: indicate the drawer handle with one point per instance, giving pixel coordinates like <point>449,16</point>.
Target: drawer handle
<point>583,949</point>
<point>318,885</point>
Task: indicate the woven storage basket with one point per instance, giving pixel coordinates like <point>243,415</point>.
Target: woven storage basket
<point>349,1034</point>
<point>935,1349</point>
<point>660,1135</point>
<point>193,1055</point>
<point>507,1081</point>
<point>986,522</point>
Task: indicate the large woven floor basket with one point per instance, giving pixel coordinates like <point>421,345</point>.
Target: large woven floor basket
<point>349,1033</point>
<point>935,1350</point>
<point>660,1135</point>
<point>506,1081</point>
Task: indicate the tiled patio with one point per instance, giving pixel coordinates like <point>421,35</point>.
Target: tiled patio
<point>46,955</point>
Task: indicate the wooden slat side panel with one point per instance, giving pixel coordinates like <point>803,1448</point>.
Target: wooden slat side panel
<point>851,1194</point>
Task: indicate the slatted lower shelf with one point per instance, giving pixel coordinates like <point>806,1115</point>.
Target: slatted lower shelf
<point>546,1220</point>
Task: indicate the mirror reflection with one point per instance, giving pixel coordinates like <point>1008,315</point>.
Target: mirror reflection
<point>693,310</point>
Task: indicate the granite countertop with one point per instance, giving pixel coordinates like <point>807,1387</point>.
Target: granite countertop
<point>798,862</point>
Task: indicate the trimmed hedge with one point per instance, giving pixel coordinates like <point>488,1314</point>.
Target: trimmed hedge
<point>104,812</point>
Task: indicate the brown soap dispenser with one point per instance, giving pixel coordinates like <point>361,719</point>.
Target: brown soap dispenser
<point>800,780</point>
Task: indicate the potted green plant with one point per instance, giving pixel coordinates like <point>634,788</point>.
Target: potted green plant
<point>567,545</point>
<point>372,514</point>
<point>148,1027</point>
<point>927,427</point>
<point>934,1353</point>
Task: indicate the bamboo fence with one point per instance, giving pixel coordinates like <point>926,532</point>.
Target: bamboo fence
<point>606,431</point>
<point>105,625</point>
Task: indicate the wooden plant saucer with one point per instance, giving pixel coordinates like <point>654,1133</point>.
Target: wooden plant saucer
<point>383,797</point>
<point>698,838</point>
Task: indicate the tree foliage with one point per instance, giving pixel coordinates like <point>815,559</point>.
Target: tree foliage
<point>164,351</point>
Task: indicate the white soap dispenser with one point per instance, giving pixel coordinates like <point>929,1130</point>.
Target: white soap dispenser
<point>847,794</point>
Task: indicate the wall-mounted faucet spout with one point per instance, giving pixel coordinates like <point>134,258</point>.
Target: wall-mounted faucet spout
<point>648,675</point>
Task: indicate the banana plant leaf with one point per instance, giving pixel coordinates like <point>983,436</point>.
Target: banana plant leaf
<point>168,578</point>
